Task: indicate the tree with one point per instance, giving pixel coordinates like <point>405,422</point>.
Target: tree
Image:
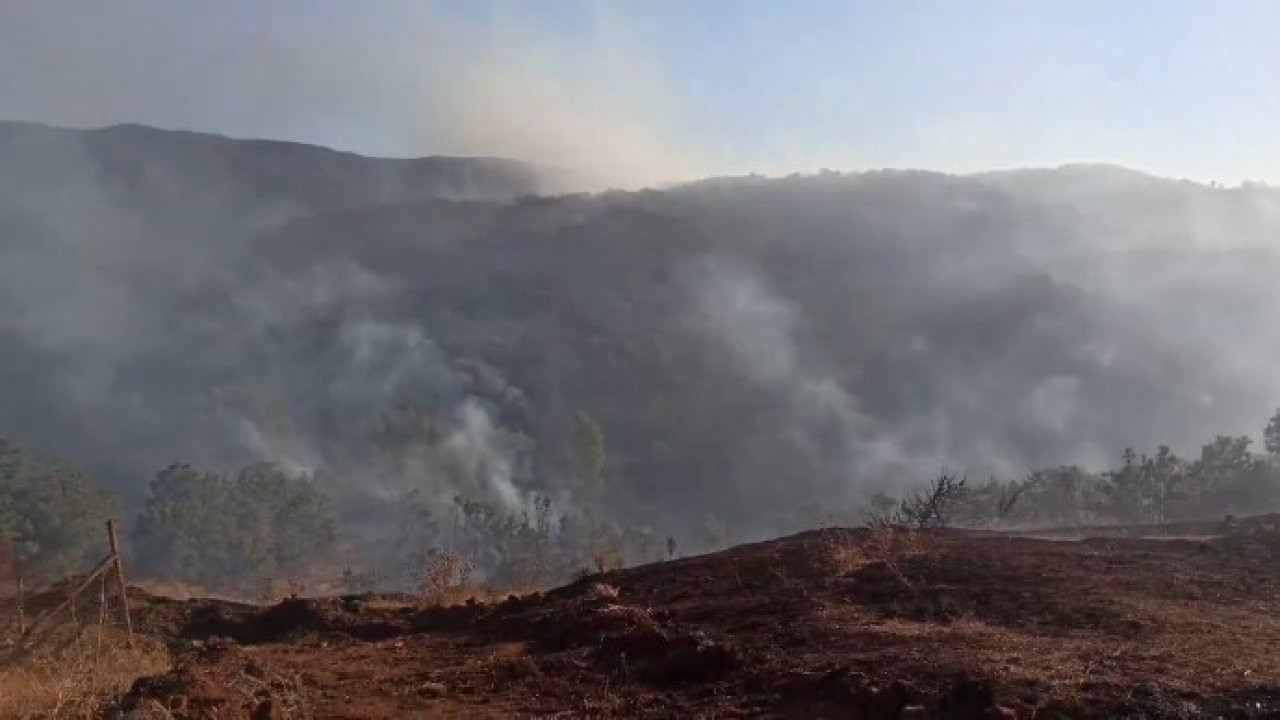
<point>587,453</point>
<point>52,514</point>
<point>1125,495</point>
<point>1229,478</point>
<point>1271,435</point>
<point>212,529</point>
<point>1065,495</point>
<point>9,459</point>
<point>1165,481</point>
<point>290,519</point>
<point>187,528</point>
<point>934,506</point>
<point>1149,489</point>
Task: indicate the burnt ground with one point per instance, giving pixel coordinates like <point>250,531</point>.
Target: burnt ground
<point>830,623</point>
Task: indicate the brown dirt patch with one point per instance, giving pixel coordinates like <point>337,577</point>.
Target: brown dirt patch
<point>832,623</point>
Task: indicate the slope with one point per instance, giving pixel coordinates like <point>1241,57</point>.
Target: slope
<point>831,623</point>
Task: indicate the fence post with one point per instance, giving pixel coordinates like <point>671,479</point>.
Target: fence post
<point>104,566</point>
<point>119,568</point>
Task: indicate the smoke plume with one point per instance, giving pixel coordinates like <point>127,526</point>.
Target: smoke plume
<point>751,349</point>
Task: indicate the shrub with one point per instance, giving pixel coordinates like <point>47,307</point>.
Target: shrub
<point>441,575</point>
<point>935,505</point>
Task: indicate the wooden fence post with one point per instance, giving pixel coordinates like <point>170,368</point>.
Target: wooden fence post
<point>113,564</point>
<point>119,568</point>
<point>103,567</point>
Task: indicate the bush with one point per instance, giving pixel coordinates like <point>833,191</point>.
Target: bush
<point>936,505</point>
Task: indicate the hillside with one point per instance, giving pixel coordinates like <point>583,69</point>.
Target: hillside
<point>148,166</point>
<point>756,354</point>
<point>830,623</point>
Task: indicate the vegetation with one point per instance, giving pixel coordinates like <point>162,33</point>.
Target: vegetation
<point>212,529</point>
<point>746,345</point>
<point>79,674</point>
<point>935,505</point>
<point>538,546</point>
<point>1227,478</point>
<point>247,532</point>
<point>588,455</point>
<point>51,514</point>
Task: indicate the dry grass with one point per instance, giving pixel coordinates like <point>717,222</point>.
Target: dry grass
<point>75,672</point>
<point>180,590</point>
<point>890,544</point>
<point>468,594</point>
<point>443,577</point>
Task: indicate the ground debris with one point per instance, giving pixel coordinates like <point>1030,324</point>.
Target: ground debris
<point>829,623</point>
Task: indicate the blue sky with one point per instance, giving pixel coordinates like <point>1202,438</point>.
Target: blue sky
<point>699,86</point>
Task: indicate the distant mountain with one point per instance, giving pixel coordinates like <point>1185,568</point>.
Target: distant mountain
<point>200,176</point>
<point>764,351</point>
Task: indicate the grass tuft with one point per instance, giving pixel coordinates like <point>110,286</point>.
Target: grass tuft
<point>76,671</point>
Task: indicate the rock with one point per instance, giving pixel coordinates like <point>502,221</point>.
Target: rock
<point>217,643</point>
<point>703,661</point>
<point>602,591</point>
<point>267,710</point>
<point>970,699</point>
<point>1000,712</point>
<point>914,712</point>
<point>886,702</point>
<point>149,710</point>
<point>434,689</point>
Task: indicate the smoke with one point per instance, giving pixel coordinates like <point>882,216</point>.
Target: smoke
<point>141,327</point>
<point>478,445</point>
<point>990,325</point>
<point>400,80</point>
<point>592,141</point>
<point>748,347</point>
<point>736,308</point>
<point>383,404</point>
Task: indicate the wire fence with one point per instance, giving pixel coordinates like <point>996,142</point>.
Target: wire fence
<point>32,616</point>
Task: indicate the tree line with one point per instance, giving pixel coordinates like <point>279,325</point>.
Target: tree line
<point>1226,478</point>
<point>232,530</point>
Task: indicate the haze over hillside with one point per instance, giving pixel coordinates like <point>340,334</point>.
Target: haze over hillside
<point>760,350</point>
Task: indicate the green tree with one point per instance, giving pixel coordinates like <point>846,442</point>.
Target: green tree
<point>290,520</point>
<point>1151,489</point>
<point>51,514</point>
<point>1065,495</point>
<point>188,527</point>
<point>1229,478</point>
<point>213,529</point>
<point>1166,483</point>
<point>1124,492</point>
<point>587,452</point>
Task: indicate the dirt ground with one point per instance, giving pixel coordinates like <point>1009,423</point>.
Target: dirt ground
<point>830,623</point>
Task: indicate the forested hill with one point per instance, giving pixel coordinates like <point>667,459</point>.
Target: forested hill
<point>196,171</point>
<point>760,350</point>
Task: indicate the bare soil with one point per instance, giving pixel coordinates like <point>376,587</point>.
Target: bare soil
<point>830,623</point>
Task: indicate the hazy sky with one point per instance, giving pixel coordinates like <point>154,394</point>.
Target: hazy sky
<point>652,89</point>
